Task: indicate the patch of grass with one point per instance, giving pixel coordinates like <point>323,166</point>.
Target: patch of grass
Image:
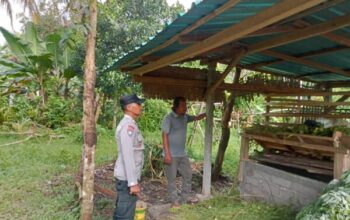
<point>231,160</point>
<point>37,176</point>
<point>37,180</point>
<point>231,207</point>
<point>228,206</point>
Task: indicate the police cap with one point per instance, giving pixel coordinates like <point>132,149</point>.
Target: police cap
<point>128,99</point>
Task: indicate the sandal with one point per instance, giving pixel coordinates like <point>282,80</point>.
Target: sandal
<point>175,205</point>
<point>192,200</point>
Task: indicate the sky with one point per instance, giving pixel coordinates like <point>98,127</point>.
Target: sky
<point>5,21</point>
<point>16,8</point>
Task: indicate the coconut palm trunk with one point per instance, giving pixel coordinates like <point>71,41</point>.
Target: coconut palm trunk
<point>89,118</point>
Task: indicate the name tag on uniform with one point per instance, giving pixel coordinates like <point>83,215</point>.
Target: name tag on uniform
<point>130,130</point>
<point>139,141</point>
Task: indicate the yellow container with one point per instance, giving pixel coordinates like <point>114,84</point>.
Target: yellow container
<point>140,212</point>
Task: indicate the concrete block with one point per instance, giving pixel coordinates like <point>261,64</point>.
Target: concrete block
<point>278,186</point>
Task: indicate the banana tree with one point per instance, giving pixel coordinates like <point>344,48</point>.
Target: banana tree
<point>34,59</point>
<point>10,76</point>
<point>59,44</point>
<point>29,61</point>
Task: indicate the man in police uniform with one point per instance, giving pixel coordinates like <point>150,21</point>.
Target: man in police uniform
<point>130,160</point>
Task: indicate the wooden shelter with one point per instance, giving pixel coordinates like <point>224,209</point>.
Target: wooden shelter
<point>296,40</point>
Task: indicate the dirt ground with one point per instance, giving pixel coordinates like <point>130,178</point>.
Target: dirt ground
<point>154,191</point>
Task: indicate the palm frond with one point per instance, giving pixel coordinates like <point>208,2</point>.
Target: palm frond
<point>6,4</point>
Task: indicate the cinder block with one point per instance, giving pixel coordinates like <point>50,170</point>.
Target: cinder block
<point>281,182</point>
<point>278,186</point>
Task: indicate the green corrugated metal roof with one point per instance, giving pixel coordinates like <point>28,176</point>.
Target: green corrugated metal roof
<point>247,8</point>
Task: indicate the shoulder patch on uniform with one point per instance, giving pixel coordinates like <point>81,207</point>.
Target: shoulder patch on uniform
<point>130,130</point>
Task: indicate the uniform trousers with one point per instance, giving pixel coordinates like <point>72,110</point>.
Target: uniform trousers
<point>126,202</point>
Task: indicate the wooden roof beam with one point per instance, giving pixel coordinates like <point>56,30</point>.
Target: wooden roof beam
<point>311,115</point>
<point>263,19</point>
<point>236,87</point>
<point>322,6</point>
<point>337,38</point>
<point>191,38</point>
<point>304,55</point>
<point>319,73</point>
<point>330,36</point>
<point>309,93</point>
<point>338,84</point>
<point>234,61</point>
<point>241,88</point>
<point>339,101</point>
<point>310,63</point>
<point>219,10</point>
<point>227,49</point>
<point>314,30</point>
<point>272,73</point>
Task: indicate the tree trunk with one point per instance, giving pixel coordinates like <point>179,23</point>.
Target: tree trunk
<point>116,107</point>
<point>225,131</point>
<point>66,89</point>
<point>98,106</point>
<point>42,90</point>
<point>89,118</point>
<point>195,126</point>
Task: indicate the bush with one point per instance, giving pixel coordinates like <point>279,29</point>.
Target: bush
<point>108,111</point>
<point>154,111</point>
<point>153,166</point>
<point>58,112</point>
<point>75,131</point>
<point>21,109</point>
<point>334,202</point>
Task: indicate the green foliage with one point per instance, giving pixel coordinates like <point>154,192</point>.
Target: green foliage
<point>59,112</point>
<point>37,180</point>
<point>154,111</point>
<point>37,177</point>
<point>75,132</point>
<point>318,130</point>
<point>343,129</point>
<point>123,25</point>
<point>38,64</point>
<point>153,166</point>
<point>20,109</point>
<point>334,202</point>
<point>250,105</point>
<point>232,207</point>
<point>112,85</point>
<point>45,57</point>
<point>35,60</point>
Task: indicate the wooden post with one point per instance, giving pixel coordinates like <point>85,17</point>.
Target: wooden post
<point>208,139</point>
<point>327,99</point>
<point>298,120</point>
<point>268,102</point>
<point>244,155</point>
<point>341,160</point>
